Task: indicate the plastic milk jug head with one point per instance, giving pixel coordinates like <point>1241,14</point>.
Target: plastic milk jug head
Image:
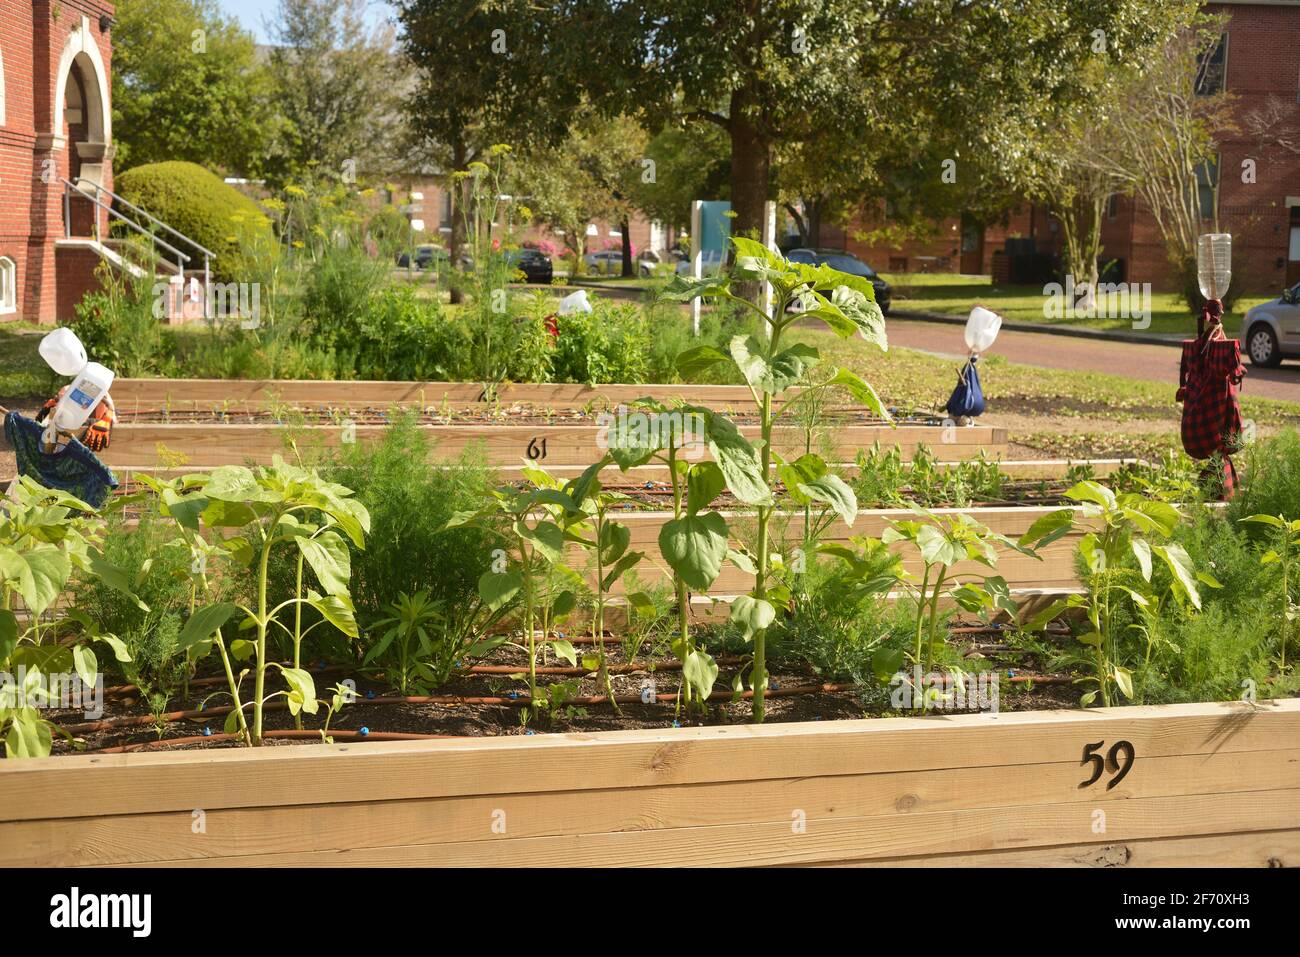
<point>63,351</point>
<point>574,302</point>
<point>982,328</point>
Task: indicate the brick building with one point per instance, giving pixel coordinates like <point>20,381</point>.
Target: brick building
<point>430,203</point>
<point>1257,202</point>
<point>55,125</point>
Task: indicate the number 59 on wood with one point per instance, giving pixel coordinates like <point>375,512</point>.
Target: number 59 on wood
<point>1111,762</point>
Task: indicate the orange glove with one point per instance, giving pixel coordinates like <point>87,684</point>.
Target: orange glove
<point>100,429</point>
<point>48,407</point>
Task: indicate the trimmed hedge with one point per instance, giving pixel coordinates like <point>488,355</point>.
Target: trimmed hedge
<point>194,201</point>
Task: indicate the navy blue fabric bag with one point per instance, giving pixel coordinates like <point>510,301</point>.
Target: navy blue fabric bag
<point>968,398</point>
<point>73,469</point>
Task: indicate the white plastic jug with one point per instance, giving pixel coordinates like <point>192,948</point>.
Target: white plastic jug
<point>63,351</point>
<point>574,302</point>
<point>83,395</point>
<point>982,328</point>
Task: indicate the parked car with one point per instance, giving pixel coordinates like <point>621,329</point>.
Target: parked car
<point>609,262</point>
<point>846,263</point>
<point>534,264</point>
<point>431,257</point>
<point>711,262</point>
<point>424,257</point>
<point>1271,331</point>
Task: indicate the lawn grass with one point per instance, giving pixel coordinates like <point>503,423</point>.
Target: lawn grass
<point>23,373</point>
<point>955,294</point>
<point>917,380</point>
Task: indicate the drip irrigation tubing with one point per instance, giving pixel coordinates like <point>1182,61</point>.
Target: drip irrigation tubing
<point>615,669</point>
<point>288,734</point>
<point>519,701</point>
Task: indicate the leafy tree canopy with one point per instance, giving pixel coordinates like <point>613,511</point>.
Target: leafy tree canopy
<point>186,86</point>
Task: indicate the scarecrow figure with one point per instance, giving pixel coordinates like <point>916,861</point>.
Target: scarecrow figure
<point>966,403</point>
<point>58,447</point>
<point>1208,379</point>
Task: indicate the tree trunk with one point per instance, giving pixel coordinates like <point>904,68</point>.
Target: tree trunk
<point>628,270</point>
<point>751,163</point>
<point>799,223</point>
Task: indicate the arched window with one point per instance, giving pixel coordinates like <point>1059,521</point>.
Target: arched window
<point>8,286</point>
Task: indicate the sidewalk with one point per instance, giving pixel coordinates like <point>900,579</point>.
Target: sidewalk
<point>1078,332</point>
<point>1025,343</point>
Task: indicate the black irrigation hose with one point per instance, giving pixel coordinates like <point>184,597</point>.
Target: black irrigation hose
<point>290,734</point>
<point>515,701</point>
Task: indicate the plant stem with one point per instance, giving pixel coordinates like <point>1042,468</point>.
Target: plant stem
<point>920,615</point>
<point>297,633</point>
<point>598,621</point>
<point>759,674</point>
<point>234,688</point>
<point>528,625</point>
<point>934,618</point>
<point>260,682</point>
<point>1286,595</point>
<point>683,597</point>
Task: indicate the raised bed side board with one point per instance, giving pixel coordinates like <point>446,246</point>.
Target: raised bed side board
<point>1208,785</point>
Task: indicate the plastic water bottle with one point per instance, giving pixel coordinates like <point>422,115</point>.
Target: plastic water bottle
<point>1214,264</point>
<point>87,389</point>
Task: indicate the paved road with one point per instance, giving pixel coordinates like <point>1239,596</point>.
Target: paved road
<point>1154,362</point>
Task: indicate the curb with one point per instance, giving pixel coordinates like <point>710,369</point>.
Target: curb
<point>1076,332</point>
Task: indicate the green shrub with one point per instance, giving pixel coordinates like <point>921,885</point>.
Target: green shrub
<point>1213,655</point>
<point>505,344</point>
<point>1270,471</point>
<point>400,336</point>
<point>198,204</point>
<point>409,499</point>
<point>116,322</point>
<point>158,568</point>
<point>229,352</point>
<point>609,344</point>
<point>1181,654</point>
<point>1219,545</point>
<point>671,334</point>
<point>340,289</point>
<point>837,630</point>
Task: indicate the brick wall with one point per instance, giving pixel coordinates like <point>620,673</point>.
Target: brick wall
<point>432,207</point>
<point>32,40</point>
<point>1263,67</point>
<point>74,277</point>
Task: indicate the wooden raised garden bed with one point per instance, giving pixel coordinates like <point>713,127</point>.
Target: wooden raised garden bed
<point>209,394</point>
<point>1208,785</point>
<point>209,445</point>
<point>1056,571</point>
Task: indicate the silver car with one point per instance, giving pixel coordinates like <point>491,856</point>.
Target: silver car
<point>1271,330</point>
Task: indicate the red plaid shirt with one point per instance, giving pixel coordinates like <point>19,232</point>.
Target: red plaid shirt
<point>1208,379</point>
